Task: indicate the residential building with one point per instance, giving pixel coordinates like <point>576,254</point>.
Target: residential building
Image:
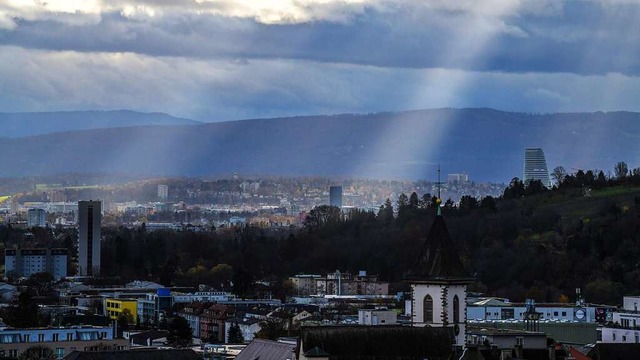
<point>89,233</point>
<point>304,284</point>
<point>535,167</point>
<point>36,217</point>
<point>212,322</point>
<point>192,313</point>
<point>62,340</point>
<point>26,262</point>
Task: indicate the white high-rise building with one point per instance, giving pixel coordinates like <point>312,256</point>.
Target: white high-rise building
<point>163,192</point>
<point>89,222</point>
<point>535,167</point>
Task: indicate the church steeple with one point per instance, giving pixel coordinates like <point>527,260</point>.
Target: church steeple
<point>439,281</point>
<point>439,258</point>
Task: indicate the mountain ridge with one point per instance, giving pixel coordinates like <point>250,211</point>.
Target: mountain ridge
<point>22,124</point>
<point>487,144</point>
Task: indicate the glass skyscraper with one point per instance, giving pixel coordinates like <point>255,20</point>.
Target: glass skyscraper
<point>535,167</point>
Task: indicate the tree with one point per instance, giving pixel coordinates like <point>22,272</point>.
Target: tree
<point>385,215</point>
<point>321,216</point>
<point>37,353</point>
<point>40,282</point>
<point>558,175</point>
<point>271,329</point>
<point>179,332</point>
<point>468,203</point>
<point>621,169</point>
<point>235,334</point>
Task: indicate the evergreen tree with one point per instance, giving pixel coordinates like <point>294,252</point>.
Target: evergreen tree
<point>235,334</point>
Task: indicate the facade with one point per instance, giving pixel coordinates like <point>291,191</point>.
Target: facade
<point>495,310</point>
<point>26,262</point>
<point>115,307</point>
<point>212,322</point>
<point>163,192</point>
<point>335,196</point>
<point>344,283</point>
<point>154,307</point>
<point>535,167</point>
<point>457,179</point>
<point>248,327</point>
<point>36,217</point>
<point>625,323</point>
<point>377,317</point>
<point>304,284</point>
<point>61,340</point>
<point>89,233</point>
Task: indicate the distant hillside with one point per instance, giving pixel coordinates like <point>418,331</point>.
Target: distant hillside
<point>487,144</point>
<point>29,124</point>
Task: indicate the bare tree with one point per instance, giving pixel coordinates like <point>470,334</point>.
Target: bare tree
<point>558,175</point>
<point>621,169</point>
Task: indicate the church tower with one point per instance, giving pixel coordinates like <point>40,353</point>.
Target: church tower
<point>439,283</point>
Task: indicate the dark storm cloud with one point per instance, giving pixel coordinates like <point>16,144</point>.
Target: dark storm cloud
<point>581,37</point>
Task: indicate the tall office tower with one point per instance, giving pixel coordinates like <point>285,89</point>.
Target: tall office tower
<point>335,196</point>
<point>36,217</point>
<point>535,167</point>
<point>89,221</point>
<point>163,192</point>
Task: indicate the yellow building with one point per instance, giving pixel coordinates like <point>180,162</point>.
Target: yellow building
<point>116,307</point>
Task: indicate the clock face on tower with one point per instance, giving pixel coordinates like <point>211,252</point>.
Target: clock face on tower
<point>580,314</point>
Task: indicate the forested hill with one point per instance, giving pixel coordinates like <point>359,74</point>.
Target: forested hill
<point>486,144</point>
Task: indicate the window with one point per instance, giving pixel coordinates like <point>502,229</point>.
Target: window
<point>27,338</point>
<point>520,340</point>
<point>428,309</point>
<point>40,337</point>
<point>60,353</point>
<point>69,336</point>
<point>624,338</point>
<point>555,313</point>
<point>456,309</point>
<point>55,337</point>
<point>564,313</point>
<point>613,336</point>
<point>13,353</point>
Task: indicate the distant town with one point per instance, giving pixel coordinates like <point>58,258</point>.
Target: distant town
<point>299,268</point>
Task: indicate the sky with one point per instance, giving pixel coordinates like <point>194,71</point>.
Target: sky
<point>214,60</point>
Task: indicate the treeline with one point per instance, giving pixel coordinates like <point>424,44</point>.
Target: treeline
<point>529,243</point>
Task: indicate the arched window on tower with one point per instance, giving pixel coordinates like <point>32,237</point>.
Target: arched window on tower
<point>456,309</point>
<point>428,309</point>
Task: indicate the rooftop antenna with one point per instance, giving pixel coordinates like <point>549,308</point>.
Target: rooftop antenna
<point>439,199</point>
